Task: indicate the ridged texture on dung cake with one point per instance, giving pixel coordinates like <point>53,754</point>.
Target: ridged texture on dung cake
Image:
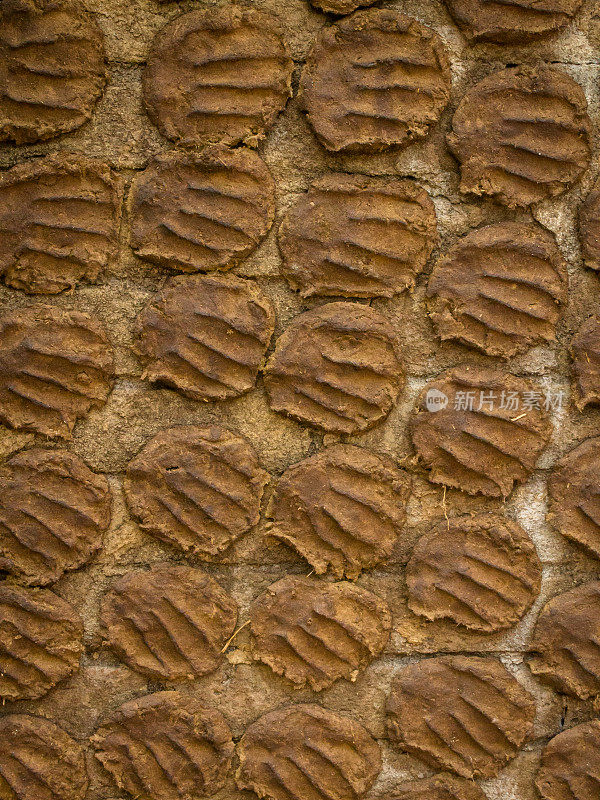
<point>500,289</point>
<point>39,760</point>
<point>574,495</point>
<point>336,367</point>
<point>307,751</point>
<point>165,745</point>
<point>315,632</point>
<point>465,714</point>
<point>217,75</point>
<point>52,70</point>
<point>342,509</point>
<point>488,433</point>
<point>357,236</point>
<point>196,488</point>
<point>53,513</point>
<point>376,79</point>
<point>521,135</point>
<point>40,641</point>
<point>566,642</point>
<point>170,622</point>
<point>570,764</point>
<point>482,572</point>
<point>205,336</point>
<point>59,222</point>
<point>55,366</point>
<point>511,21</point>
<point>201,211</point>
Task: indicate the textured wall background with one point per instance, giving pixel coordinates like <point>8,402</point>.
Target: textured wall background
<point>121,134</point>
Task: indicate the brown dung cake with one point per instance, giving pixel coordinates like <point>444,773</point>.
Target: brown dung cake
<point>357,237</point>
<point>52,69</point>
<point>315,632</point>
<point>299,399</point>
<point>375,80</point>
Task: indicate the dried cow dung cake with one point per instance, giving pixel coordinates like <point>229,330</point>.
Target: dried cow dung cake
<point>574,495</point>
<point>357,236</point>
<point>165,745</point>
<point>589,228</point>
<point>201,211</point>
<point>52,69</point>
<point>570,764</point>
<point>342,509</point>
<point>314,632</point>
<point>482,572</point>
<point>55,366</point>
<point>443,786</point>
<point>511,21</point>
<point>196,488</point>
<point>40,641</point>
<point>480,430</point>
<point>53,513</point>
<point>500,289</point>
<point>463,713</point>
<point>218,75</point>
<point>38,759</point>
<point>205,335</point>
<point>340,6</point>
<point>59,222</point>
<point>375,80</point>
<point>566,642</point>
<point>170,622</point>
<point>585,350</point>
<point>305,751</point>
<point>336,367</point>
<point>521,135</point>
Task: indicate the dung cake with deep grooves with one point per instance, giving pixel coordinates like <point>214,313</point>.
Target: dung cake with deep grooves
<point>357,236</point>
<point>521,135</point>
<point>585,351</point>
<point>196,488</point>
<point>484,439</point>
<point>375,80</point>
<point>589,228</point>
<point>465,714</point>
<point>205,336</point>
<point>40,641</point>
<point>566,642</point>
<point>500,289</point>
<point>570,764</point>
<point>55,366</point>
<point>38,759</point>
<point>315,633</point>
<point>511,21</point>
<point>53,513</point>
<point>443,786</point>
<point>169,623</point>
<point>574,495</point>
<point>482,572</point>
<point>342,509</point>
<point>219,75</point>
<point>201,211</point>
<point>336,367</point>
<point>165,745</point>
<point>305,750</point>
<point>59,222</point>
<point>52,70</point>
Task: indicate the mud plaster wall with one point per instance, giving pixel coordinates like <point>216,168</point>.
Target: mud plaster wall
<point>121,134</point>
